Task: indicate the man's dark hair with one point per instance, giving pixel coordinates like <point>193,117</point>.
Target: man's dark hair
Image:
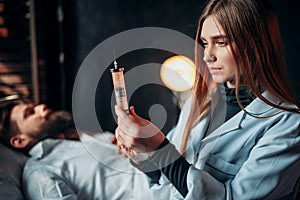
<point>6,105</point>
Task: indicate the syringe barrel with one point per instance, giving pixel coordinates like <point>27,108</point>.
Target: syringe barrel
<point>119,88</point>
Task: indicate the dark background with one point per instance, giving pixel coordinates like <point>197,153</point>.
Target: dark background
<point>88,23</point>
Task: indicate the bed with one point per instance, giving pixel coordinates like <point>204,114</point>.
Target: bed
<point>11,165</point>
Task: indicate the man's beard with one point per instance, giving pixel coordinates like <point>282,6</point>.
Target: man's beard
<point>58,122</point>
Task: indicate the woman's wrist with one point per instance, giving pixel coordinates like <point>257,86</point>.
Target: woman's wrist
<point>154,142</point>
<point>141,157</point>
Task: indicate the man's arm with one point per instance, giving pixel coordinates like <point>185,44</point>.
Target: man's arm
<point>45,184</point>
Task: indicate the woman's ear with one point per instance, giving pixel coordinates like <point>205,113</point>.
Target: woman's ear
<point>20,141</point>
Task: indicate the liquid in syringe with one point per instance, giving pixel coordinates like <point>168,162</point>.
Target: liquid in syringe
<point>119,86</point>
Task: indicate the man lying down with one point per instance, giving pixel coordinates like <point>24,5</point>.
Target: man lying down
<point>62,167</point>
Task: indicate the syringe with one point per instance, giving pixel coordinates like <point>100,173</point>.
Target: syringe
<point>119,86</point>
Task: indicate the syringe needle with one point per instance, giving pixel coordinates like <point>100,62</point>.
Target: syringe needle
<point>115,61</point>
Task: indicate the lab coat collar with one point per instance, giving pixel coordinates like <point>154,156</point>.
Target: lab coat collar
<point>257,107</point>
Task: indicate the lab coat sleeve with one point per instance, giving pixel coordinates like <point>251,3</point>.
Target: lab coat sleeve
<point>270,171</point>
<point>44,184</point>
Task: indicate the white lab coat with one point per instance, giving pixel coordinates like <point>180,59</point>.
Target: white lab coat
<point>243,158</point>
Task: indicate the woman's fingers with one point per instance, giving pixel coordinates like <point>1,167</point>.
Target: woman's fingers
<point>131,124</point>
<point>113,140</point>
<point>124,140</point>
<point>137,133</point>
<point>119,136</point>
<point>124,121</point>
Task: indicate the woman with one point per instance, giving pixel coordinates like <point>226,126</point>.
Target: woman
<point>238,136</point>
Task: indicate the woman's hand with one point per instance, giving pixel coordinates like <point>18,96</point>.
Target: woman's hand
<point>118,147</point>
<point>137,136</point>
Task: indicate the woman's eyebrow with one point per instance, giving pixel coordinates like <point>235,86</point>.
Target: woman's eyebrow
<point>215,37</point>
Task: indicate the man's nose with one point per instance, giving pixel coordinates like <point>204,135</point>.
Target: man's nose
<point>41,109</point>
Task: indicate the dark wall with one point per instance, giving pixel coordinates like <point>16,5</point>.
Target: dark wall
<point>88,23</point>
<point>289,20</point>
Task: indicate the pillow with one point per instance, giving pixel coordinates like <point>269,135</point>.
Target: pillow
<point>11,166</point>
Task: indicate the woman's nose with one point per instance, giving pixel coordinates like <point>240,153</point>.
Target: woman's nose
<point>209,55</point>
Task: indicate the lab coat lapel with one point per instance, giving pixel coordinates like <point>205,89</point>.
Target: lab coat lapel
<point>218,114</point>
<point>218,127</point>
<point>257,108</point>
<point>215,122</point>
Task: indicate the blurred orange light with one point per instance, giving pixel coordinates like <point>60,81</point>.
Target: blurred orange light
<point>178,73</point>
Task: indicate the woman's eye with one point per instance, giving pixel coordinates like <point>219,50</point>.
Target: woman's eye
<point>204,44</point>
<point>222,43</point>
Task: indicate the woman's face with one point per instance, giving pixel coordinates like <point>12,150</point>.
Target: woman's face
<point>217,52</point>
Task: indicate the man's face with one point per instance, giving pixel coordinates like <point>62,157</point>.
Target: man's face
<point>37,121</point>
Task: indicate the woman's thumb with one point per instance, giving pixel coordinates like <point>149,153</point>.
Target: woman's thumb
<point>135,116</point>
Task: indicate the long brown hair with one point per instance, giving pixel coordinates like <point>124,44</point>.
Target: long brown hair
<point>259,56</point>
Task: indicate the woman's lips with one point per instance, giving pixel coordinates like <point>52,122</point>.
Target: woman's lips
<point>214,70</point>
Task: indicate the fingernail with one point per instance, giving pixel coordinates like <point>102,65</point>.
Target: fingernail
<point>131,108</point>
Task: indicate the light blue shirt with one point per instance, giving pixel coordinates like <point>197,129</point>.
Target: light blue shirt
<point>87,170</point>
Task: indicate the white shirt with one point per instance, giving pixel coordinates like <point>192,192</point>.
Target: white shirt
<point>87,170</point>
